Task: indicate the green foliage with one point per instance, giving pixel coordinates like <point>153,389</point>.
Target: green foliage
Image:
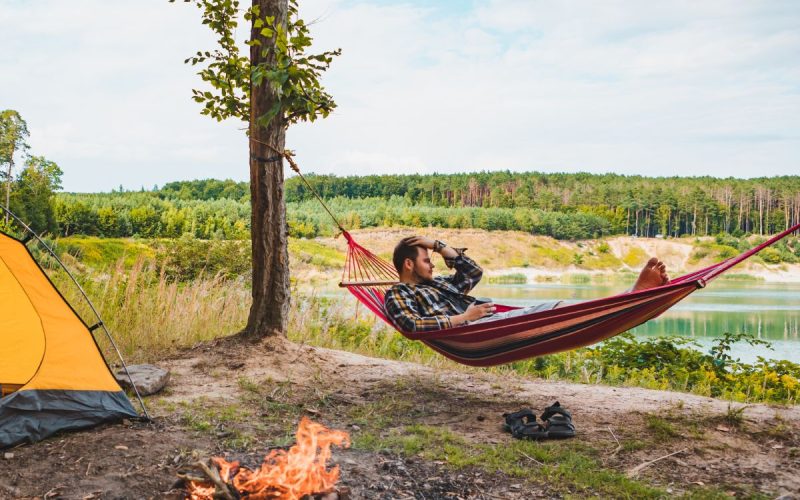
<point>159,214</point>
<point>770,256</point>
<point>716,252</point>
<point>292,75</point>
<point>643,206</point>
<point>676,364</point>
<point>571,468</point>
<point>722,347</point>
<point>507,279</point>
<point>189,258</point>
<point>662,428</point>
<point>655,363</point>
<point>635,257</point>
<point>316,254</point>
<point>13,133</point>
<point>32,194</point>
<point>148,214</point>
<point>206,189</point>
<point>103,252</point>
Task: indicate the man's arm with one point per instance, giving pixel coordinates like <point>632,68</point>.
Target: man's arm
<point>468,272</point>
<point>401,308</point>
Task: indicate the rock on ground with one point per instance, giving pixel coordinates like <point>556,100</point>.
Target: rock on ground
<point>149,379</point>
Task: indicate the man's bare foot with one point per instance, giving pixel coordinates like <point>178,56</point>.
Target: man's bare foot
<point>654,274</point>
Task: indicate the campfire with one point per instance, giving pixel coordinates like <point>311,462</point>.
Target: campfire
<point>287,475</point>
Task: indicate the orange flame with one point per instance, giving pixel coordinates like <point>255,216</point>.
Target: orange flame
<point>286,475</point>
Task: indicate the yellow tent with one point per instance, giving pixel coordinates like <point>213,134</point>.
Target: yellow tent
<point>52,374</point>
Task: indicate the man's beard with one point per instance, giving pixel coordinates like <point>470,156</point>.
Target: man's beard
<point>418,278</point>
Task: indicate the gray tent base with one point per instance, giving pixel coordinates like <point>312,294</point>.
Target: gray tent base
<point>32,415</point>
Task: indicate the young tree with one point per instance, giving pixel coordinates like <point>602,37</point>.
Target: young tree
<point>32,199</point>
<point>276,86</point>
<point>13,132</point>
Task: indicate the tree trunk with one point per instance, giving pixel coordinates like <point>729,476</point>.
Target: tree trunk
<point>8,181</point>
<point>270,308</point>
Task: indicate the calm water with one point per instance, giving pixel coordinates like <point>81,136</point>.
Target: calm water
<point>770,311</point>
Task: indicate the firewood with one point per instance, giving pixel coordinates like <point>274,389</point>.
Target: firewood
<point>213,474</point>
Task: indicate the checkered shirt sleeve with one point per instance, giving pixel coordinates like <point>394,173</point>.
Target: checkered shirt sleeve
<point>402,309</point>
<point>468,272</point>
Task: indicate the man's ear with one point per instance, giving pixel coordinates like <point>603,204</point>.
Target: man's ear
<point>408,265</point>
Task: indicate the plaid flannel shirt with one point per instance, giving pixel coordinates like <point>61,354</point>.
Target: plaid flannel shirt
<point>428,306</point>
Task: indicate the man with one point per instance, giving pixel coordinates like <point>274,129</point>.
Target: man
<point>422,302</point>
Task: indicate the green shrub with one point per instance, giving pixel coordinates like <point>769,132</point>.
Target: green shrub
<point>187,258</point>
<point>771,256</point>
<point>635,257</point>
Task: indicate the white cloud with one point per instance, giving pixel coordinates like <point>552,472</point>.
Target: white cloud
<point>670,88</point>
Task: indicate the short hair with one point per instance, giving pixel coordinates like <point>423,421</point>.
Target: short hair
<point>404,251</point>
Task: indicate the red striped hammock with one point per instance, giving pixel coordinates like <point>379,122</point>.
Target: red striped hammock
<point>503,341</point>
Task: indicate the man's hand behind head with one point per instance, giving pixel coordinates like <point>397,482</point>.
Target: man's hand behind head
<point>419,241</point>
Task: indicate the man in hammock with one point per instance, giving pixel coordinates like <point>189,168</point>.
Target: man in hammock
<point>422,302</point>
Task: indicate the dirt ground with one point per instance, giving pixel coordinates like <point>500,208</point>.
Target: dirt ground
<point>238,400</point>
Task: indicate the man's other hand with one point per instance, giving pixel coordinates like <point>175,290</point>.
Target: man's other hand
<point>478,311</point>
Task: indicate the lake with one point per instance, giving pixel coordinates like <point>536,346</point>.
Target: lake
<point>770,311</point>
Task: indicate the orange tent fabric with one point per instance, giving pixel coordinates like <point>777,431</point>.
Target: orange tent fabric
<point>52,374</point>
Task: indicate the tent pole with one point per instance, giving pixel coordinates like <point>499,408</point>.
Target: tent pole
<point>31,232</point>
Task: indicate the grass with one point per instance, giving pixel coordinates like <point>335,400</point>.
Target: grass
<point>226,422</point>
<point>635,257</point>
<point>661,427</point>
<point>572,469</point>
<point>389,422</point>
<point>507,279</point>
<point>151,316</point>
<point>740,277</point>
<point>315,253</point>
<point>99,252</point>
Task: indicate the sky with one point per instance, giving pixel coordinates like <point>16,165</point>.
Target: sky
<point>652,88</point>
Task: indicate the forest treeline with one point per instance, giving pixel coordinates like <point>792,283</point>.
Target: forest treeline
<point>565,206</point>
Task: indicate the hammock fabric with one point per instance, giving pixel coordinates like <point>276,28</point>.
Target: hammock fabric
<point>503,341</point>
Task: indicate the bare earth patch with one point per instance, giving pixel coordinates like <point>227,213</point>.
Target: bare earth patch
<point>238,400</point>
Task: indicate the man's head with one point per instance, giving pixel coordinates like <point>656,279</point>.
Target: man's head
<point>413,263</point>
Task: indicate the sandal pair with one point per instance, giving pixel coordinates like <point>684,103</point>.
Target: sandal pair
<point>556,423</point>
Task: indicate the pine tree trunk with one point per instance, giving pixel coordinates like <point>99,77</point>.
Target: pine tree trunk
<point>270,308</point>
<point>8,181</point>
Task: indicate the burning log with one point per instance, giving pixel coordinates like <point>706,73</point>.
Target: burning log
<point>299,473</point>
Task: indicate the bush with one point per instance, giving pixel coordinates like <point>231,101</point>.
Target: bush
<point>187,258</point>
<point>770,256</point>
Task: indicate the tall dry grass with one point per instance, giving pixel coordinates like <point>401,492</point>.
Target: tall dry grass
<point>151,316</point>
